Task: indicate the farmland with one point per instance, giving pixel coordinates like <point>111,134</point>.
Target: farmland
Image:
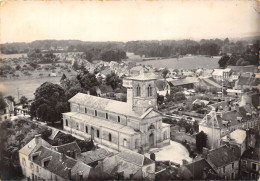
<point>192,62</point>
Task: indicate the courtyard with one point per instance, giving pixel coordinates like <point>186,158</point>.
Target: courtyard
<point>174,152</point>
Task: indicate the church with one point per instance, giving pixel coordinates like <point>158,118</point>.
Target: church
<point>135,125</point>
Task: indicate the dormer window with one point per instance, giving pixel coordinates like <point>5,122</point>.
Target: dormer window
<point>138,90</point>
<point>149,91</point>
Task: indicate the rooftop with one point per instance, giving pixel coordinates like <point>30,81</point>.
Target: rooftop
<point>100,103</point>
<point>95,155</point>
<point>100,122</point>
<point>223,155</point>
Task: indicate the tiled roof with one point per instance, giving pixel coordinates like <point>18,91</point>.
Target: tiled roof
<point>95,121</point>
<point>104,104</point>
<point>251,81</point>
<point>31,146</point>
<point>105,88</point>
<point>252,153</point>
<point>133,157</point>
<point>211,82</point>
<point>230,117</point>
<point>56,165</point>
<point>73,146</point>
<point>95,155</point>
<point>223,156</point>
<point>198,167</point>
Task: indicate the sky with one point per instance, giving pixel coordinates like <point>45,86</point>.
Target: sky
<point>26,21</point>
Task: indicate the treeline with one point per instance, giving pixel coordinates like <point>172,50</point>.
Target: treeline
<point>249,55</point>
<point>171,48</point>
<point>57,46</point>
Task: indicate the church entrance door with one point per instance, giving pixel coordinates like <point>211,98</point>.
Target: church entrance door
<point>151,140</point>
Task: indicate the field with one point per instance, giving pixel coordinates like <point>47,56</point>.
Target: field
<point>193,62</point>
<point>25,87</point>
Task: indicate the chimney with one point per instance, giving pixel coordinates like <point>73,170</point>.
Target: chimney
<point>37,139</point>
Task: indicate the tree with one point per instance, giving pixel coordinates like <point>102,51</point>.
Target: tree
<point>223,61</point>
<point>10,98</point>
<point>23,100</point>
<point>201,141</point>
<point>113,80</point>
<point>45,133</point>
<point>89,56</point>
<point>226,41</point>
<point>165,72</point>
<point>50,102</point>
<point>160,99</point>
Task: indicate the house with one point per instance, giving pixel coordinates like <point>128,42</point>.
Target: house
<point>26,151</point>
<point>221,74</point>
<point>39,161</point>
<point>188,82</point>
<point>70,149</point>
<point>163,87</point>
<point>219,124</point>
<point>234,76</point>
<point>250,164</point>
<point>224,160</point>
<point>104,91</point>
<point>197,170</point>
<point>129,165</point>
<point>53,74</point>
<point>134,125</point>
<point>236,138</point>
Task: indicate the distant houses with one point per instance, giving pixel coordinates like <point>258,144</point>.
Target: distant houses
<point>6,108</point>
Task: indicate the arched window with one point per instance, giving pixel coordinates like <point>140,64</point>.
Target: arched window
<point>125,142</point>
<point>67,123</point>
<point>95,112</point>
<point>98,133</point>
<point>86,129</point>
<point>149,91</point>
<point>77,126</point>
<point>86,110</point>
<point>138,90</point>
<point>118,119</point>
<point>106,116</point>
<point>109,137</point>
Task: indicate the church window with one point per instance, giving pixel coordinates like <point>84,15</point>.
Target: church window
<point>67,123</point>
<point>86,129</point>
<point>77,126</point>
<point>149,91</point>
<point>110,137</point>
<point>98,133</point>
<point>106,116</point>
<point>138,91</point>
<point>86,110</point>
<point>95,112</point>
<point>118,119</point>
<point>125,142</point>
